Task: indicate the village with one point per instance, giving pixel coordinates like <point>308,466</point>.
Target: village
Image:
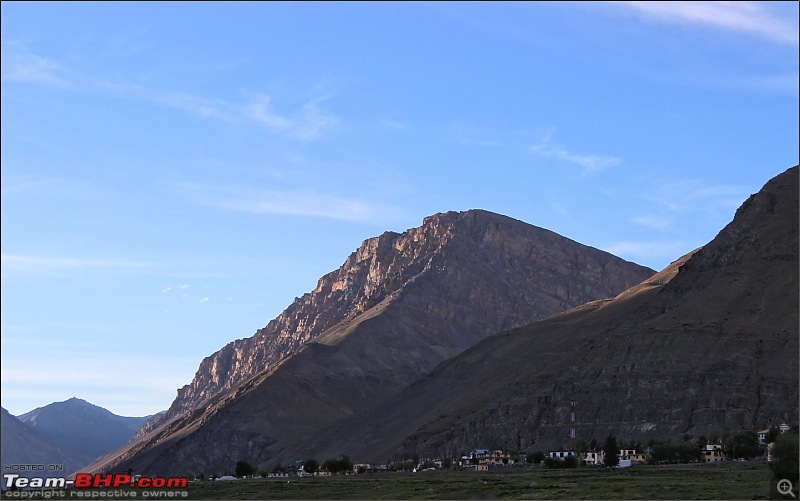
<point>745,445</point>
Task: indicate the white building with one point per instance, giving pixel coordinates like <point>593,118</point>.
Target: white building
<point>595,458</point>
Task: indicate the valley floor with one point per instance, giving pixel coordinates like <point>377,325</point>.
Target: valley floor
<point>731,480</point>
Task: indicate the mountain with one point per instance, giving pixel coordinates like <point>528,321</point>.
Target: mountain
<point>83,427</point>
<point>398,306</point>
<point>566,274</point>
<point>22,444</point>
<point>708,345</point>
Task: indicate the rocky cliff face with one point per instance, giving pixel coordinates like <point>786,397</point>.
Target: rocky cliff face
<point>400,305</point>
<point>379,267</point>
<point>710,344</point>
<point>385,264</point>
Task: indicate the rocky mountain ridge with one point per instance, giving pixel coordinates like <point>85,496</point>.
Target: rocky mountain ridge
<point>707,345</point>
<point>400,305</point>
<point>378,268</point>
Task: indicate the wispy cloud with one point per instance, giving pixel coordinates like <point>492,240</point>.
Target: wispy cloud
<point>648,251</point>
<point>753,18</point>
<point>20,65</point>
<point>590,163</point>
<point>392,124</point>
<point>654,222</point>
<point>170,288</point>
<point>686,196</point>
<point>54,264</point>
<point>663,205</point>
<point>307,123</point>
<point>309,203</point>
<point>310,122</point>
<point>473,136</point>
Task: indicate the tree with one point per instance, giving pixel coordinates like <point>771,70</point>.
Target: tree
<point>343,464</point>
<point>310,465</point>
<point>536,457</point>
<point>593,445</point>
<point>773,434</point>
<point>553,462</point>
<point>675,453</point>
<point>743,444</point>
<point>570,461</point>
<point>612,451</point>
<point>785,462</point>
<point>244,469</point>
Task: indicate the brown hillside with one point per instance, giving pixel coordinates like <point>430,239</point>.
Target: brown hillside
<point>709,344</point>
<point>399,306</point>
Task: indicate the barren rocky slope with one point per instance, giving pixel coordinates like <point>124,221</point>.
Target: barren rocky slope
<point>709,344</point>
<point>564,274</point>
<point>400,305</point>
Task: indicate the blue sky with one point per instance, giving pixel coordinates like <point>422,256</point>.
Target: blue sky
<point>175,174</point>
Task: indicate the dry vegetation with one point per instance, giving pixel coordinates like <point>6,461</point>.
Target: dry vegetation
<point>729,481</point>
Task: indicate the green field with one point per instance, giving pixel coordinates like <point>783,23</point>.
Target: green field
<point>728,481</point>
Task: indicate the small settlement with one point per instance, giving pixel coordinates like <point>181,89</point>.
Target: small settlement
<point>484,460</point>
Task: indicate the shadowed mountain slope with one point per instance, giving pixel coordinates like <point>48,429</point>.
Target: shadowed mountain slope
<point>83,427</point>
<point>708,344</point>
<point>22,444</point>
<point>400,305</point>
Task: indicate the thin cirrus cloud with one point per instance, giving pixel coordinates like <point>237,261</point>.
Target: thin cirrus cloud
<point>308,123</point>
<point>589,163</point>
<point>647,250</point>
<point>308,203</point>
<point>20,65</point>
<point>753,18</point>
<point>51,264</point>
<point>653,222</point>
<point>692,196</point>
<point>665,204</point>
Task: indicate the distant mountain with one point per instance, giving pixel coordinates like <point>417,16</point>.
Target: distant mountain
<point>709,344</point>
<point>23,445</point>
<point>83,427</point>
<point>398,306</point>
